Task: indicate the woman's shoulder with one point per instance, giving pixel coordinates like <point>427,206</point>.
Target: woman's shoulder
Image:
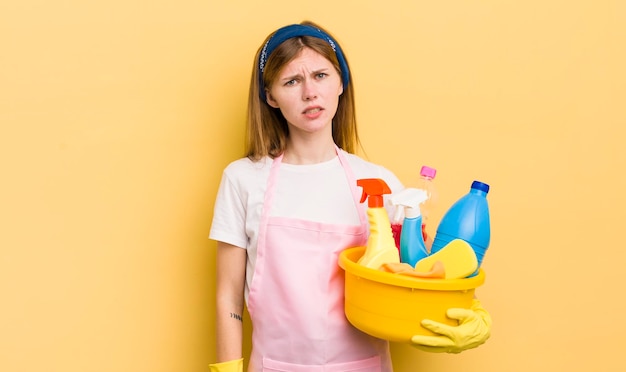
<point>248,165</point>
<point>246,169</point>
<point>366,169</point>
<point>361,165</point>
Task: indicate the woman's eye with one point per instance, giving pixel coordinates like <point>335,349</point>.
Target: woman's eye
<point>321,75</point>
<point>291,82</point>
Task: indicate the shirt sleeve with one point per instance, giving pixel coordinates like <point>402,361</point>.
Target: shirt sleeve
<point>229,214</point>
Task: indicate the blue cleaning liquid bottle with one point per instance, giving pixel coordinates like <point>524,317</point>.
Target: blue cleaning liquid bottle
<point>412,247</point>
<point>467,219</point>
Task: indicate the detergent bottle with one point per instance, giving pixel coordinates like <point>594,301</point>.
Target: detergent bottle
<point>412,247</point>
<point>468,219</point>
<point>381,248</point>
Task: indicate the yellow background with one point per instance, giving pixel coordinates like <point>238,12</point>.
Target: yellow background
<point>117,118</point>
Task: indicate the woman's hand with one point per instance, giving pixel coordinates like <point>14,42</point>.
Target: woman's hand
<point>473,330</point>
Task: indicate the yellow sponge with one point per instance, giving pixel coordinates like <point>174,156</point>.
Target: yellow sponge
<point>457,257</point>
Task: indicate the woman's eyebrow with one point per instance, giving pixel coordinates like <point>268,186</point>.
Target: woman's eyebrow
<point>299,75</point>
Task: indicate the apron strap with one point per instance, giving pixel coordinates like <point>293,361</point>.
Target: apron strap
<point>356,194</point>
<point>267,201</point>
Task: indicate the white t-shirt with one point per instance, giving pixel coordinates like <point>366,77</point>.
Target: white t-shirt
<point>317,192</point>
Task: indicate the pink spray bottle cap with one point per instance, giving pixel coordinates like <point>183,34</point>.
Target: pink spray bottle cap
<point>428,171</point>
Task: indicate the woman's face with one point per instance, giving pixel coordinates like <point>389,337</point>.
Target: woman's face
<point>307,93</point>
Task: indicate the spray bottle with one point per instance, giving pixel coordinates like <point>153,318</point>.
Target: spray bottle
<point>412,247</point>
<point>381,248</point>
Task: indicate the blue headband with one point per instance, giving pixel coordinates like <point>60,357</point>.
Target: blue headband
<point>288,32</point>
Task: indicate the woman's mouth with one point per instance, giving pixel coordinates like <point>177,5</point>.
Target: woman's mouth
<point>312,111</point>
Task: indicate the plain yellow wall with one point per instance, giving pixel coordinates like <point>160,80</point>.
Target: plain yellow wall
<point>118,117</point>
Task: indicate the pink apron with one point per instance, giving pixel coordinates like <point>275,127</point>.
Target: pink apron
<point>296,299</point>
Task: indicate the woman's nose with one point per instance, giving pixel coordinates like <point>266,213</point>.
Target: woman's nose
<point>308,91</point>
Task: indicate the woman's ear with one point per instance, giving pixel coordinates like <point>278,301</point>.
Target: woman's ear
<point>270,100</point>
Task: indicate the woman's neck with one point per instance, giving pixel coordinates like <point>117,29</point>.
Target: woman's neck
<point>309,152</point>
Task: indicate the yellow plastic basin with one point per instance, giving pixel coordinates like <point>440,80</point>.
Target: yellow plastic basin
<point>391,306</point>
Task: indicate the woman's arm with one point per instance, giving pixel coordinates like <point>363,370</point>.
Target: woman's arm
<point>231,276</point>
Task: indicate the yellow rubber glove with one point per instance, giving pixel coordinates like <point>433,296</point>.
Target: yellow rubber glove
<point>230,366</point>
<point>473,330</point>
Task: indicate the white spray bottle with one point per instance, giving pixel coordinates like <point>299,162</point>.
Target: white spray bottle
<point>412,247</point>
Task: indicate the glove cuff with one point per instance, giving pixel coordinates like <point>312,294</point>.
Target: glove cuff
<point>230,366</point>
<point>477,307</point>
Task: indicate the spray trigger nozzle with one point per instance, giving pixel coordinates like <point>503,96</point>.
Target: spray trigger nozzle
<point>373,190</point>
<point>410,199</point>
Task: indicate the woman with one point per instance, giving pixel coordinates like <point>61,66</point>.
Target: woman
<point>285,212</point>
